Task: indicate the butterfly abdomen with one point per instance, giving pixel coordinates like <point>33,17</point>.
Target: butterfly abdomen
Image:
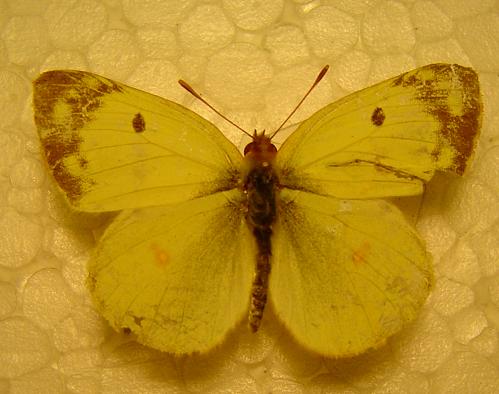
<point>260,186</point>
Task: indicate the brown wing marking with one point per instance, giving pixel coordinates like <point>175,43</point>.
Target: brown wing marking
<point>458,130</point>
<point>65,101</point>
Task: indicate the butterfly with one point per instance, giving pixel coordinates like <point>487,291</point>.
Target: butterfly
<point>206,234</point>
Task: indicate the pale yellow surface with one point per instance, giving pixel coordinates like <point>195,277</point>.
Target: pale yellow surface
<point>178,276</point>
<point>338,282</point>
<point>103,164</point>
<point>431,120</point>
<point>254,61</point>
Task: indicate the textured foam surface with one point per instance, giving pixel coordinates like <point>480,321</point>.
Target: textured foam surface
<point>253,59</point>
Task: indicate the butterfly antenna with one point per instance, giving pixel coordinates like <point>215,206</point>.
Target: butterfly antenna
<point>317,80</point>
<point>191,90</point>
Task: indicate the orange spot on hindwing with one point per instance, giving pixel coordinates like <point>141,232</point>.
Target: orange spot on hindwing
<point>360,254</point>
<point>161,256</point>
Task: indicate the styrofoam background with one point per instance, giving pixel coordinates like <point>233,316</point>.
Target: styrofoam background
<point>253,60</point>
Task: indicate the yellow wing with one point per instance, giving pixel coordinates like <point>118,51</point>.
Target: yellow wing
<point>177,276</point>
<point>388,139</point>
<point>111,146</point>
<point>346,274</point>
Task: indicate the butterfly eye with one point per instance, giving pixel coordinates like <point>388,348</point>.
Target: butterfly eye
<point>249,148</point>
<point>272,149</point>
<point>261,148</point>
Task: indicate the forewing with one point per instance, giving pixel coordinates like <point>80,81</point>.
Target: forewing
<point>388,139</point>
<point>110,146</point>
<point>346,274</point>
<point>178,276</point>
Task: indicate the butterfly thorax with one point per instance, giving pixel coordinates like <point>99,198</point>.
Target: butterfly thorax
<point>260,187</point>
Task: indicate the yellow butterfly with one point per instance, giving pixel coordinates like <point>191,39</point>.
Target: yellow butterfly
<point>206,233</point>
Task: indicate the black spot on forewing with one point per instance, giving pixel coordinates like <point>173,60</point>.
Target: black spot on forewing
<point>378,116</point>
<point>64,101</point>
<point>434,85</point>
<point>138,123</point>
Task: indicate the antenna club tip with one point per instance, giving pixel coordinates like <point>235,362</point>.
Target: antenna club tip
<point>322,73</point>
<point>188,87</point>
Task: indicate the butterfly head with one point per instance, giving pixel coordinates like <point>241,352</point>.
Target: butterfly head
<point>261,149</point>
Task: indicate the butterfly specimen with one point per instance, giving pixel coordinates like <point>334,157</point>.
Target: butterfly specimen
<point>207,234</point>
